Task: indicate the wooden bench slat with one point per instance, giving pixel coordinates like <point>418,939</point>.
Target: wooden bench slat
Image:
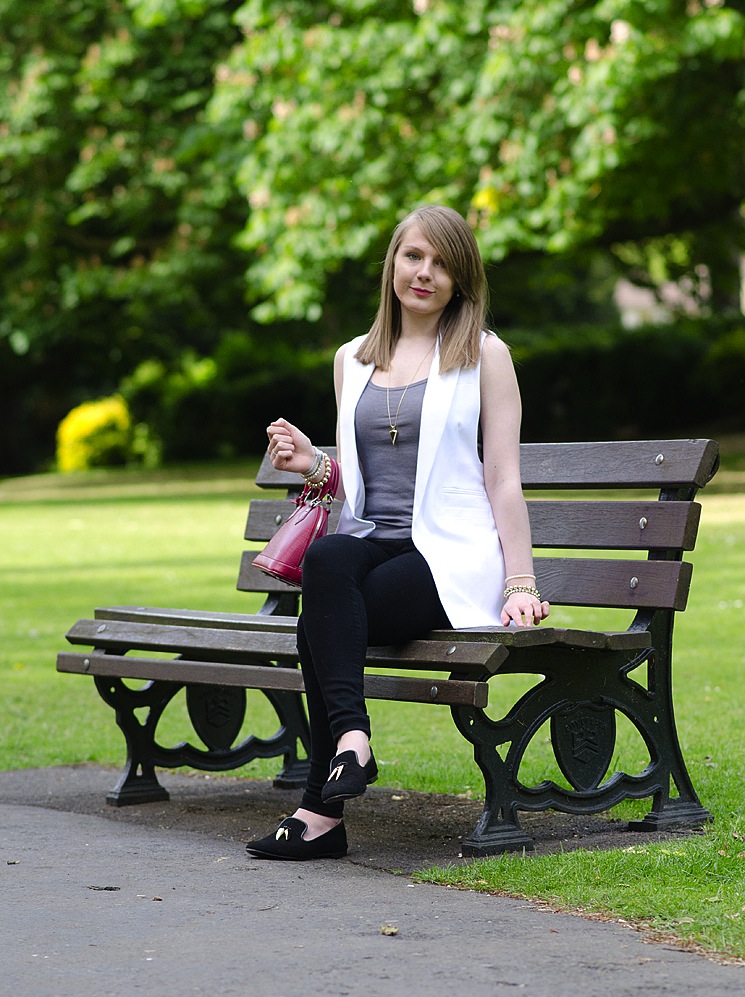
<point>614,464</point>
<point>622,584</point>
<point>542,636</point>
<point>447,692</point>
<point>120,636</point>
<point>239,645</point>
<point>600,525</point>
<point>509,637</point>
<point>452,656</point>
<point>618,464</point>
<point>570,581</point>
<point>614,525</point>
<point>198,618</point>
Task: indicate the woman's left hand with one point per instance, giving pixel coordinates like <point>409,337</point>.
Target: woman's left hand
<point>524,609</point>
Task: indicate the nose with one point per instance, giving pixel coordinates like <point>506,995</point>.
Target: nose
<point>424,272</point>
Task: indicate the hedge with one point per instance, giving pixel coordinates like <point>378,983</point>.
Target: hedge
<point>577,382</point>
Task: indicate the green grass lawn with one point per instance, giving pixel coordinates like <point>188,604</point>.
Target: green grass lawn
<point>174,539</point>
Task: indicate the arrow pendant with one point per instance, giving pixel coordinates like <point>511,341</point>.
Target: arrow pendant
<point>393,432</point>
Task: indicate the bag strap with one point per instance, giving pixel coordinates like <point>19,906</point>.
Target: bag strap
<point>313,494</point>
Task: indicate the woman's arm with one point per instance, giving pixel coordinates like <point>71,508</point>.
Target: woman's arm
<point>500,427</point>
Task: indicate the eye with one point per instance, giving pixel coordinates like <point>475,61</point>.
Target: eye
<point>441,263</point>
<point>412,255</point>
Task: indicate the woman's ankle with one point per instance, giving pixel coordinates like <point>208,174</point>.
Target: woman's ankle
<point>357,741</point>
<point>318,824</point>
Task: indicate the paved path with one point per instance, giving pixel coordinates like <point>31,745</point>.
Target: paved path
<point>97,901</point>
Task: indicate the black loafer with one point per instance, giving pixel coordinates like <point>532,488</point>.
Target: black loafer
<point>348,778</point>
<point>287,842</point>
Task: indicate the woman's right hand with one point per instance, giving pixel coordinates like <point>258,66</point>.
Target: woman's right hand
<point>289,449</point>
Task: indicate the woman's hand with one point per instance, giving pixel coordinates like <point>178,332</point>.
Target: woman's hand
<point>289,449</point>
<point>524,609</point>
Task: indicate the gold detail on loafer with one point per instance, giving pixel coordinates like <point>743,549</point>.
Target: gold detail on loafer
<point>282,832</point>
<point>336,774</point>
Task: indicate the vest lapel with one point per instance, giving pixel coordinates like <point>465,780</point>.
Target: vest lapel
<point>438,397</point>
<point>356,376</point>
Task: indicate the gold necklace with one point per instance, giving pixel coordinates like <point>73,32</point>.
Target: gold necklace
<point>393,431</point>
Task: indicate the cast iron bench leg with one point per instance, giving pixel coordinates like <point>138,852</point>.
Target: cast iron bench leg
<point>216,713</point>
<point>138,783</point>
<point>683,809</point>
<point>291,712</point>
<point>498,829</point>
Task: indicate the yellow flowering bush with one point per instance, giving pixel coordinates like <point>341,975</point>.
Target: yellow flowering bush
<point>95,434</point>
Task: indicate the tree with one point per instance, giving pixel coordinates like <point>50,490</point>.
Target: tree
<point>174,172</point>
<point>553,124</point>
<point>117,211</point>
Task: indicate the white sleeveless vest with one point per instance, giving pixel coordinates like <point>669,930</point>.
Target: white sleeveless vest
<point>452,521</point>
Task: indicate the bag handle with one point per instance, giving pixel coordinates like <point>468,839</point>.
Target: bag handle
<point>313,494</point>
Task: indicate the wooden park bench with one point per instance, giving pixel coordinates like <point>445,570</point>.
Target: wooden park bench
<point>623,549</point>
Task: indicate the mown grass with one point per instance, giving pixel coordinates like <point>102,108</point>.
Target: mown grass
<point>174,539</point>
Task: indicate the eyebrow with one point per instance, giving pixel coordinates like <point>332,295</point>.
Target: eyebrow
<point>407,246</point>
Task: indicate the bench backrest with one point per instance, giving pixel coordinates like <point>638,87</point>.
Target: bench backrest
<point>653,521</point>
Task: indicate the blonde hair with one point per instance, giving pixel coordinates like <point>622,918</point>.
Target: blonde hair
<point>463,319</point>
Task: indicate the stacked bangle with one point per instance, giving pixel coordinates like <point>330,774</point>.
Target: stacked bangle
<point>511,578</point>
<point>323,460</point>
<point>528,589</point>
<point>315,466</point>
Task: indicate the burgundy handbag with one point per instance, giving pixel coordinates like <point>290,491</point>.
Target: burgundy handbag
<point>283,556</point>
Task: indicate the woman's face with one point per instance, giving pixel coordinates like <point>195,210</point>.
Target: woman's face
<point>421,280</point>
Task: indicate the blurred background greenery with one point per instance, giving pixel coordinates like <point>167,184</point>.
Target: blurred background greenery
<point>195,197</point>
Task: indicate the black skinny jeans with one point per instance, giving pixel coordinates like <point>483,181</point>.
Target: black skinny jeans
<point>356,592</point>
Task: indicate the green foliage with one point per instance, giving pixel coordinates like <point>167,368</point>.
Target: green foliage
<point>604,382</point>
<point>551,124</point>
<point>218,406</point>
<point>169,166</point>
<point>722,372</point>
<point>177,405</point>
<point>346,106</point>
<point>116,211</point>
<point>577,381</point>
<point>123,212</point>
<point>604,119</point>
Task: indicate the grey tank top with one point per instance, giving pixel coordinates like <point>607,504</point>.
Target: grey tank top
<point>389,472</point>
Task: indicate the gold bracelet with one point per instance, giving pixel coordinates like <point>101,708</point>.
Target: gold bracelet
<point>326,473</point>
<point>528,589</point>
<point>511,578</point>
<point>315,466</point>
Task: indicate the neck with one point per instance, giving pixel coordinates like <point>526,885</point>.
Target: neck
<point>422,328</point>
